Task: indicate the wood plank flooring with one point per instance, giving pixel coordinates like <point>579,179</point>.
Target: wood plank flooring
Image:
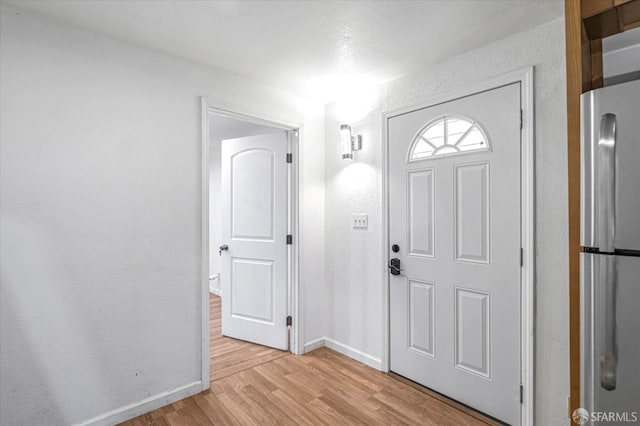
<point>253,385</point>
<point>228,356</point>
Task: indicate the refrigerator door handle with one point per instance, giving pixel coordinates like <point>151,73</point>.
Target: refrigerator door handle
<point>607,234</point>
<point>607,183</point>
<point>609,354</point>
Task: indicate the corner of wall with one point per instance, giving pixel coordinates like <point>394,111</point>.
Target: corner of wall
<point>312,224</point>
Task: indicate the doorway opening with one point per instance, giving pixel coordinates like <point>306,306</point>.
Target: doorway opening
<point>249,261</point>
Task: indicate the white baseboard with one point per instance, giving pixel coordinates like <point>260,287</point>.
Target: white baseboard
<point>344,350</point>
<point>313,345</point>
<point>215,291</point>
<point>353,353</point>
<point>127,412</point>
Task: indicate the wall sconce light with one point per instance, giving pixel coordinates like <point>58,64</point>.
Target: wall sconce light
<point>349,143</point>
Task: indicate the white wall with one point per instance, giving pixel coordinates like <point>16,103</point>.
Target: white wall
<point>100,217</point>
<point>312,225</point>
<point>354,257</point>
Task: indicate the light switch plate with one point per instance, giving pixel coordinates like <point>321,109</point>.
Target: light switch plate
<point>360,221</point>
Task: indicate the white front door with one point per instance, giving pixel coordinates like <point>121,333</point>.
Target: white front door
<point>454,179</point>
<point>254,229</point>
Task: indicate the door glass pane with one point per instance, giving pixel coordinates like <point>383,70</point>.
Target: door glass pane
<point>448,136</point>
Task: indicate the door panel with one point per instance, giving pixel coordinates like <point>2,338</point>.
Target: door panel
<point>454,210</point>
<point>254,226</point>
<point>422,317</point>
<point>471,187</point>
<point>421,209</point>
<point>252,192</point>
<point>472,350</point>
<point>252,290</point>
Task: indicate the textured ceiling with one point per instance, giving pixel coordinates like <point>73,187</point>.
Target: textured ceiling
<point>306,47</point>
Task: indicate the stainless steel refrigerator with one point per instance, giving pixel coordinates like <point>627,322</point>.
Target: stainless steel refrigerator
<point>610,261</point>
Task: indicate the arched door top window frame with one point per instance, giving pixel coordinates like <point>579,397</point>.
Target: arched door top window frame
<point>468,136</point>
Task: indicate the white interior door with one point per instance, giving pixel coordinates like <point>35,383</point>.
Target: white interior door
<point>454,179</point>
<point>254,228</point>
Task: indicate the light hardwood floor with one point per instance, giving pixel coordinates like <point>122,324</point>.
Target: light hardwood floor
<point>228,356</point>
<point>253,385</point>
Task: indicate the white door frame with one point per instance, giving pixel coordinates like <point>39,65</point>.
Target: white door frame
<point>293,290</point>
<point>527,273</point>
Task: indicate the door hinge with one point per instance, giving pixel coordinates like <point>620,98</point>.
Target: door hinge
<point>289,321</point>
<point>289,239</point>
<point>289,157</point>
<point>521,119</point>
<point>521,394</point>
<point>521,256</point>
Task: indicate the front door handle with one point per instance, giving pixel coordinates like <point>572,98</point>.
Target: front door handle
<point>394,266</point>
<point>223,247</point>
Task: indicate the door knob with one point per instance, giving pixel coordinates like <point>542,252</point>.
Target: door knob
<point>223,247</point>
<point>394,266</point>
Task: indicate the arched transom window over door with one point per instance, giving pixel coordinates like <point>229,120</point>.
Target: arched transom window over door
<point>448,135</point>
